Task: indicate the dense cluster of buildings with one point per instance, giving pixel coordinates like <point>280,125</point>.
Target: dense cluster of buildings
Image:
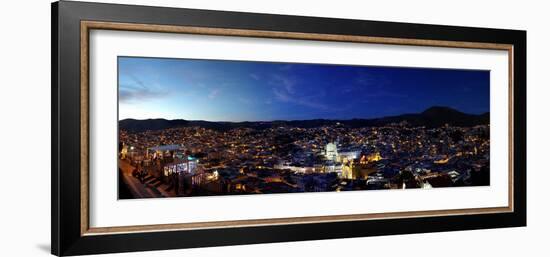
<point>191,161</point>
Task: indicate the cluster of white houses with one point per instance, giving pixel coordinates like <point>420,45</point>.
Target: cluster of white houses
<point>170,163</point>
<point>182,172</point>
<point>347,164</point>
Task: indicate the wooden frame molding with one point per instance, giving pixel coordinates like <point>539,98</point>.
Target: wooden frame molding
<point>87,26</point>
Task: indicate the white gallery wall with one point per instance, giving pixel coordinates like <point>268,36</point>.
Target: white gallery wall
<point>25,126</point>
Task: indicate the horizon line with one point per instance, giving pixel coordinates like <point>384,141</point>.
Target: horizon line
<point>379,117</point>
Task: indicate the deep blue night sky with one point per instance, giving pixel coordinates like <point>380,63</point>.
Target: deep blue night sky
<point>253,91</point>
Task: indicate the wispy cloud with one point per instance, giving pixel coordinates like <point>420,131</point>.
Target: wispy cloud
<point>371,87</point>
<point>284,90</point>
<point>285,82</point>
<point>138,91</point>
<point>308,101</point>
<point>286,67</point>
<point>365,82</point>
<point>214,93</point>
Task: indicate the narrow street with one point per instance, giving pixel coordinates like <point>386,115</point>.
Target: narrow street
<point>150,188</point>
<point>138,189</point>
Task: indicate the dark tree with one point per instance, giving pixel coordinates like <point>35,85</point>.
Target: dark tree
<point>481,177</point>
<point>457,136</point>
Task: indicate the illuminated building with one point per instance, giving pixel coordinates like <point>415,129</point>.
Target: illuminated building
<point>332,167</point>
<point>187,166</point>
<point>182,174</point>
<point>163,150</point>
<point>357,170</point>
<point>347,170</point>
<point>331,152</point>
<point>373,157</point>
<point>349,155</point>
<point>124,152</point>
<point>298,169</point>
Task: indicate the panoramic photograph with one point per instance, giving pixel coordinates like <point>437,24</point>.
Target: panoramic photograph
<point>193,127</point>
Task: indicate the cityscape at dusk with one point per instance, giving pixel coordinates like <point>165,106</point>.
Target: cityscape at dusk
<point>192,127</point>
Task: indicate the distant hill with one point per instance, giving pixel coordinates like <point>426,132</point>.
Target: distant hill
<point>432,117</point>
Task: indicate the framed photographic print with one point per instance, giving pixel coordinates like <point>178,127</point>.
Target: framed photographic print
<point>178,128</point>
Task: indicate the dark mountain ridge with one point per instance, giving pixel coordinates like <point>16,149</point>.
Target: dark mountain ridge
<point>432,117</point>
